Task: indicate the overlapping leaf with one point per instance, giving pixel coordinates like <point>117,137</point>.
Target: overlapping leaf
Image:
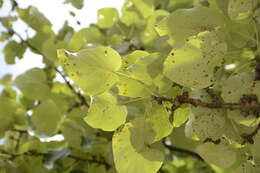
<point>92,69</point>
<point>221,155</point>
<point>199,56</point>
<point>131,151</point>
<point>247,86</point>
<point>183,23</point>
<point>104,113</point>
<point>107,17</point>
<point>33,84</point>
<point>47,117</point>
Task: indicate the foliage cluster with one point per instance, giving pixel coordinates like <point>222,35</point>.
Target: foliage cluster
<point>169,86</point>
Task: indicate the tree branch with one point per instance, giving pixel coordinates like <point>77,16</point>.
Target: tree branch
<point>246,105</point>
<point>184,151</point>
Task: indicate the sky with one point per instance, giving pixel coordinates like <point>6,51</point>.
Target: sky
<point>57,12</point>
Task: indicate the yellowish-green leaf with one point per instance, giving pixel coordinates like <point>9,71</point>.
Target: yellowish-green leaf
<point>130,15</point>
<point>131,153</point>
<point>181,115</point>
<point>132,88</point>
<point>13,50</point>
<point>239,10</point>
<point>47,117</point>
<point>158,119</point>
<point>183,23</point>
<point>145,7</point>
<point>49,49</point>
<point>205,123</point>
<point>76,3</point>
<point>221,154</point>
<point>35,19</point>
<point>104,113</point>
<point>230,93</point>
<point>85,36</point>
<point>107,17</point>
<point>131,58</point>
<point>149,34</point>
<point>149,70</point>
<point>199,56</point>
<point>33,84</point>
<point>92,69</point>
<point>8,110</point>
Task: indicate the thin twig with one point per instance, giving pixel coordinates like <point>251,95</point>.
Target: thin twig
<point>184,151</point>
<point>81,97</point>
<point>91,161</point>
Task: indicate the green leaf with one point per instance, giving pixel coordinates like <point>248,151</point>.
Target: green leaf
<point>205,122</point>
<point>131,153</point>
<point>30,164</point>
<point>239,10</point>
<point>33,84</point>
<point>35,19</point>
<point>181,115</point>
<point>249,167</point>
<point>49,49</point>
<point>92,69</point>
<point>177,4</point>
<point>199,56</point>
<point>130,87</point>
<point>8,109</point>
<point>179,139</point>
<point>12,50</point>
<point>75,130</point>
<point>240,34</point>
<point>255,147</point>
<point>76,3</point>
<point>47,117</point>
<point>107,17</point>
<point>149,70</point>
<point>221,155</point>
<point>158,119</point>
<point>149,34</point>
<point>220,4</point>
<point>130,15</point>
<point>104,113</point>
<point>234,130</point>
<point>84,36</point>
<point>34,144</point>
<point>247,85</point>
<point>6,80</point>
<point>145,7</point>
<point>230,93</point>
<point>183,23</point>
<point>131,58</point>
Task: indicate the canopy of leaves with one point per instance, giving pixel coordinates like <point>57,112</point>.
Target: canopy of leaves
<point>167,86</point>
